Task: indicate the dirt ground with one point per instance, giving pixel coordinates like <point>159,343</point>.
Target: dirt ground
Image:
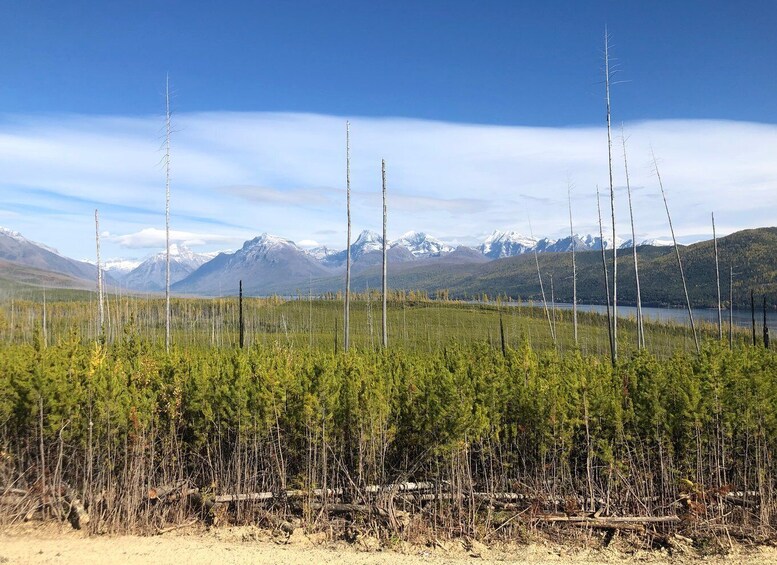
<point>25,545</point>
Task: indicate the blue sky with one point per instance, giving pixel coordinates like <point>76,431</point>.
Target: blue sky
<point>80,104</point>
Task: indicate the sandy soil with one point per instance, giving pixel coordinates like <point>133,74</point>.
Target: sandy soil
<point>37,545</point>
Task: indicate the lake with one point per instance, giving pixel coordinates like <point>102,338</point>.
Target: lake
<point>679,315</point>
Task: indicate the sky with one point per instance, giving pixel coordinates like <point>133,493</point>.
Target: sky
<point>486,112</point>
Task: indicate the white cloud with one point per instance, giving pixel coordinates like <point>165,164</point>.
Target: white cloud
<point>154,238</point>
<point>236,175</point>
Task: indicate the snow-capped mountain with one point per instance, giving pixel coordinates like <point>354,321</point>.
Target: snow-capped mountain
<point>506,244</point>
<point>120,267</point>
<point>421,244</point>
<point>16,236</point>
<point>16,248</point>
<point>367,242</point>
<point>321,252</point>
<point>655,242</point>
<point>264,264</point>
<point>150,274</point>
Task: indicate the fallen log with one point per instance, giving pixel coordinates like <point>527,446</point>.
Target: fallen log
<point>395,518</point>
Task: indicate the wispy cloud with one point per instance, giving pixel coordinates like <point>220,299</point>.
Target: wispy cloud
<point>155,238</point>
<point>235,175</point>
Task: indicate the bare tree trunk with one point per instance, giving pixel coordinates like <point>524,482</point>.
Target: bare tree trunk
<point>677,253</point>
<point>574,266</point>
<point>717,278</point>
<point>542,289</point>
<point>731,306</point>
<point>752,311</point>
<point>606,276</point>
<point>766,327</point>
<point>167,213</point>
<point>385,286</point>
<point>612,202</point>
<point>640,323</point>
<point>240,308</point>
<point>45,329</point>
<point>101,305</point>
<point>347,322</point>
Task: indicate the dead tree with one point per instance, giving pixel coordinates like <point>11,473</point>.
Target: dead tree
<point>640,322</point>
<point>677,253</point>
<point>347,318</point>
<point>717,278</point>
<point>606,278</point>
<point>766,327</point>
<point>542,288</point>
<point>752,312</point>
<point>612,201</point>
<point>731,307</point>
<point>574,265</point>
<point>385,288</point>
<point>240,310</point>
<point>101,305</point>
<point>167,213</point>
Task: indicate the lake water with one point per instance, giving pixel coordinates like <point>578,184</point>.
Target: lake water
<point>680,315</point>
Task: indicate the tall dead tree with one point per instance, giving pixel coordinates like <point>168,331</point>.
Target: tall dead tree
<point>101,303</point>
<point>240,310</point>
<point>677,253</point>
<point>612,201</point>
<point>347,317</point>
<point>766,327</point>
<point>167,213</point>
<point>640,321</point>
<point>752,312</point>
<point>717,278</point>
<point>542,289</point>
<point>385,241</point>
<point>606,277</point>
<point>731,306</point>
<point>574,265</point>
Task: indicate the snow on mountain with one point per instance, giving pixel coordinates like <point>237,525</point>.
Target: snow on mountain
<point>265,264</point>
<point>15,235</point>
<point>120,266</point>
<point>506,244</point>
<point>367,242</point>
<point>421,244</point>
<point>320,253</point>
<point>151,273</point>
<point>656,242</point>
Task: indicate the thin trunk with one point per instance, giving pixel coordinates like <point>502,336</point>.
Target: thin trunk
<point>640,322</point>
<point>766,327</point>
<point>606,277</point>
<point>717,278</point>
<point>385,289</point>
<point>542,289</point>
<point>502,335</point>
<point>45,330</point>
<point>100,306</point>
<point>240,308</point>
<point>612,202</point>
<point>574,266</point>
<point>347,323</point>
<point>553,304</point>
<point>731,307</point>
<point>167,213</point>
<point>677,253</point>
<point>752,311</point>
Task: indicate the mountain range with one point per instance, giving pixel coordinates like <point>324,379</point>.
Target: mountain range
<point>503,264</point>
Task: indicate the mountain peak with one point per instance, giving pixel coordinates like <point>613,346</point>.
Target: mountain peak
<point>421,244</point>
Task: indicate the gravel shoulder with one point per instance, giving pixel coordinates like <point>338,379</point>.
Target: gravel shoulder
<point>24,545</point>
